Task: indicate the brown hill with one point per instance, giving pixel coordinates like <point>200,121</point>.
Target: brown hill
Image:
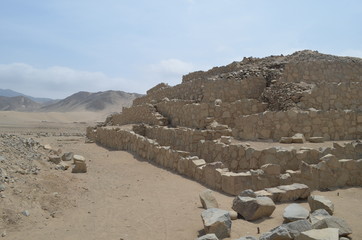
<point>86,101</point>
<point>18,103</point>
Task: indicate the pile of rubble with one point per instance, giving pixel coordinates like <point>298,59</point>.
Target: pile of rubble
<point>318,223</point>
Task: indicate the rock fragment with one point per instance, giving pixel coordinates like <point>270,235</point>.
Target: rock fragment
<point>208,200</point>
<point>253,208</point>
<point>294,212</point>
<point>216,221</point>
<point>334,222</point>
<point>320,202</point>
<point>319,234</point>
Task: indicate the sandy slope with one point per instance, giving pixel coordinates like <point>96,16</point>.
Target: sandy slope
<point>122,197</point>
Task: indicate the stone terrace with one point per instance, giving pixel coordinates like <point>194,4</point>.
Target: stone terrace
<point>199,128</point>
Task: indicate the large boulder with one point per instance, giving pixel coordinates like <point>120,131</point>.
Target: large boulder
<point>208,200</point>
<point>320,202</point>
<point>209,236</point>
<point>217,221</point>
<point>334,222</point>
<point>295,228</point>
<point>253,208</point>
<point>294,212</point>
<point>287,231</point>
<point>319,234</point>
<point>318,215</point>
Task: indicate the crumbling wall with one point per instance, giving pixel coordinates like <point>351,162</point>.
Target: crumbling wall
<point>199,115</point>
<point>323,71</point>
<point>332,95</point>
<point>332,125</point>
<point>145,113</point>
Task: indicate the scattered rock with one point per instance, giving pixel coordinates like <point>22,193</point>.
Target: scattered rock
<point>318,215</point>
<point>253,208</point>
<point>79,164</point>
<point>47,147</point>
<point>294,212</point>
<point>334,222</point>
<point>55,159</point>
<point>319,234</point>
<point>210,236</point>
<point>2,187</point>
<point>26,213</point>
<point>68,156</point>
<point>208,200</point>
<point>298,138</point>
<point>296,227</point>
<point>217,221</point>
<point>320,202</point>
<point>247,238</point>
<point>279,233</point>
<point>3,234</point>
<point>62,166</point>
<point>233,215</point>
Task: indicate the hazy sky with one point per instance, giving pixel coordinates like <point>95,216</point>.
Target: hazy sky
<point>53,48</point>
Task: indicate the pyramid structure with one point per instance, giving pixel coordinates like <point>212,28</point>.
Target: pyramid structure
<point>229,127</point>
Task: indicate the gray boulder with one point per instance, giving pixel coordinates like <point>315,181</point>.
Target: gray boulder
<point>319,234</point>
<point>294,212</point>
<point>208,200</point>
<point>54,159</point>
<point>253,208</point>
<point>296,227</point>
<point>209,236</point>
<point>216,221</point>
<point>320,202</point>
<point>279,233</point>
<point>318,215</point>
<point>334,222</point>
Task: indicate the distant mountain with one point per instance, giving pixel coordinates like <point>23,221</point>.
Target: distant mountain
<point>86,101</point>
<point>11,93</point>
<point>18,103</point>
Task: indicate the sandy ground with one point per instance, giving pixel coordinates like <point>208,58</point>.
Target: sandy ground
<point>123,197</point>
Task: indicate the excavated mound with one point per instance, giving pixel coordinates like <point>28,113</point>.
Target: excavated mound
<point>200,128</point>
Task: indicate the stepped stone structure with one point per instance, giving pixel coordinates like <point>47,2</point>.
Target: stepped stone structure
<point>200,128</point>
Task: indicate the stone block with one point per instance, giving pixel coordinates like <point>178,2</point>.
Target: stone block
<point>319,234</point>
<point>253,208</point>
<point>320,202</point>
<point>295,212</point>
<point>208,200</point>
<point>271,169</point>
<point>217,221</point>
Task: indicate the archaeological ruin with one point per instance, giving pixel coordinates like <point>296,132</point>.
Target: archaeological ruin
<point>255,124</point>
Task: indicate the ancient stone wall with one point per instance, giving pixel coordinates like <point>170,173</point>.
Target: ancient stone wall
<point>199,115</point>
<point>332,125</point>
<point>331,95</point>
<point>322,71</point>
<point>228,90</point>
<point>145,113</point>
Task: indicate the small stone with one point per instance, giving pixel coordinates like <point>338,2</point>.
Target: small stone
<point>47,147</point>
<point>68,156</point>
<point>3,234</point>
<point>55,159</point>
<point>286,140</point>
<point>320,202</point>
<point>26,213</point>
<point>80,165</point>
<point>208,200</point>
<point>2,187</point>
<point>233,215</point>
<point>294,212</point>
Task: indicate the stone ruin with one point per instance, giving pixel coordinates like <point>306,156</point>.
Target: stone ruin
<point>208,127</point>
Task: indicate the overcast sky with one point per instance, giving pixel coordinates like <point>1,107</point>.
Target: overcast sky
<point>54,48</point>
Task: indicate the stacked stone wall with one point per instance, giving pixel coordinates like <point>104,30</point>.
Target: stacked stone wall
<point>331,95</point>
<point>332,125</point>
<point>206,91</point>
<point>322,71</point>
<point>199,115</point>
<point>145,113</point>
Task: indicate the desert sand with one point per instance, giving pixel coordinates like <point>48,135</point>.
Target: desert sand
<point>121,196</point>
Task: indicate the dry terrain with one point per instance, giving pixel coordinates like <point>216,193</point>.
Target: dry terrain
<point>120,197</point>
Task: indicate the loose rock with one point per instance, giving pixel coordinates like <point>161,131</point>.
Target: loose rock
<point>217,221</point>
<point>334,222</point>
<point>208,200</point>
<point>294,212</point>
<point>318,215</point>
<point>320,202</point>
<point>253,208</point>
<point>319,234</point>
<point>209,236</point>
